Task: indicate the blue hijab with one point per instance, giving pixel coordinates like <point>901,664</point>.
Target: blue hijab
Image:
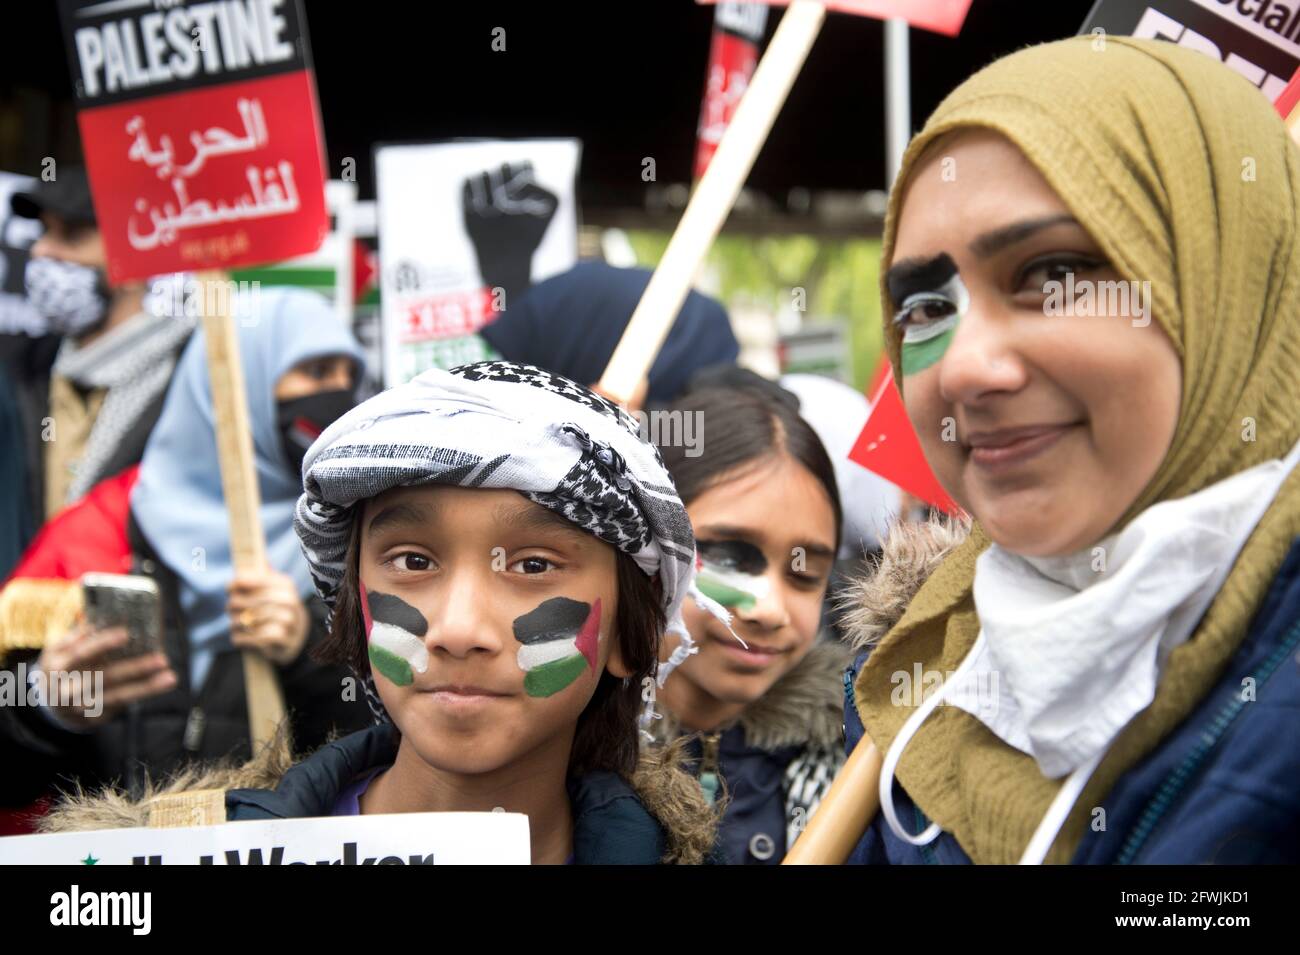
<point>177,501</point>
<point>570,324</point>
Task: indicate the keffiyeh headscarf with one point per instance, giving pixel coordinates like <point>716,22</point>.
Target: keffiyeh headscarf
<point>504,425</point>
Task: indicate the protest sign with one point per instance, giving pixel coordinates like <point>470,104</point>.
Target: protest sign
<point>464,228</point>
<point>733,54</point>
<point>415,838</point>
<point>201,132</point>
<point>328,271</point>
<point>1257,38</point>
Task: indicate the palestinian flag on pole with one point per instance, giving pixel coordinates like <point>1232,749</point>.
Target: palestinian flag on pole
<point>731,588</point>
<point>559,641</point>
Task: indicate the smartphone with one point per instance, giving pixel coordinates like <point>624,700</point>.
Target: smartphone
<point>125,600</point>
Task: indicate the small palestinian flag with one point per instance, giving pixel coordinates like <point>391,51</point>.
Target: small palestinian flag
<point>731,588</point>
<point>559,643</point>
<point>395,632</point>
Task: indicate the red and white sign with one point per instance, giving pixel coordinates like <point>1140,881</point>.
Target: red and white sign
<point>465,227</point>
<point>733,56</point>
<point>201,132</point>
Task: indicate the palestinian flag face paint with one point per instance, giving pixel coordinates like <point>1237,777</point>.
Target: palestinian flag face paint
<point>931,301</point>
<point>395,633</point>
<point>559,641</point>
<point>734,573</point>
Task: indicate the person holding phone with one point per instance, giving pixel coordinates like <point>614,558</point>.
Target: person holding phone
<point>167,520</point>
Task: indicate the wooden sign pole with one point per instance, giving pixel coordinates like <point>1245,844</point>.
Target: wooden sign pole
<point>712,200</point>
<point>239,485</point>
<point>852,800</point>
<point>844,812</point>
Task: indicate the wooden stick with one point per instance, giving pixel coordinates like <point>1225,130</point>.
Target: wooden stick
<point>844,812</point>
<point>239,485</point>
<point>713,199</point>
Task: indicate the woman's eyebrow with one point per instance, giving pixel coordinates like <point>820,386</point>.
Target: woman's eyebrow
<point>910,276</point>
<point>998,239</point>
<point>403,514</point>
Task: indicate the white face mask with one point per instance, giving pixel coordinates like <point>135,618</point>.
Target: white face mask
<point>1074,646</point>
<point>72,298</point>
<point>1071,648</point>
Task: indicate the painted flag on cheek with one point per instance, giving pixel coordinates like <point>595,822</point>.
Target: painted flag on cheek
<point>395,635</point>
<point>729,587</point>
<point>559,640</point>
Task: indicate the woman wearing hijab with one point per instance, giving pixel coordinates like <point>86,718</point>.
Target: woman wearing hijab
<point>169,522</point>
<point>1093,313</point>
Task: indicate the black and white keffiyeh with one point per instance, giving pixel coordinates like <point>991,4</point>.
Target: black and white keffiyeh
<point>134,363</point>
<point>500,424</point>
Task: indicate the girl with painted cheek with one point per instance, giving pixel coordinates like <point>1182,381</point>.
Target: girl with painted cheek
<point>1092,314</point>
<point>502,555</point>
<point>763,711</point>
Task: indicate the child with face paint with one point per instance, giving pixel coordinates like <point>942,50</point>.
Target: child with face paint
<point>502,555</point>
<point>1101,669</point>
<point>762,718</point>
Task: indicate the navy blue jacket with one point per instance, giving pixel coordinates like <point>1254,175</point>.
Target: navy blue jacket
<point>1224,787</point>
<point>610,825</point>
<point>753,828</point>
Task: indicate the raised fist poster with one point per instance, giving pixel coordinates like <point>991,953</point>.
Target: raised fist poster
<point>464,228</point>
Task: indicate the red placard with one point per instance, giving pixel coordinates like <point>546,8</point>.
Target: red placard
<point>888,446</point>
<point>733,56</point>
<point>201,133</point>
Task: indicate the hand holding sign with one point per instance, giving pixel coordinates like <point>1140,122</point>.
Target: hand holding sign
<point>267,615</point>
<point>506,215</point>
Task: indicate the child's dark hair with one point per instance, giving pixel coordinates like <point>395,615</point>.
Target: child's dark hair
<point>741,427</point>
<point>607,735</point>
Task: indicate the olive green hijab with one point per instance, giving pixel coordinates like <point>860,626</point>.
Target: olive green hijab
<point>1186,177</point>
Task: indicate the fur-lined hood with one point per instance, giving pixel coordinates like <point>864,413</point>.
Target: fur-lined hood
<point>665,791</point>
<point>873,602</point>
<point>803,708</point>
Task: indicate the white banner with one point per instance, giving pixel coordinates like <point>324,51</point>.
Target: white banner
<point>464,227</point>
<point>416,838</point>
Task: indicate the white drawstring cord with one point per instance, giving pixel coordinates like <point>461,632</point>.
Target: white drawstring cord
<point>1058,812</point>
<point>895,753</point>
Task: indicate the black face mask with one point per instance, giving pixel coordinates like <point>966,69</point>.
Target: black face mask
<point>301,420</point>
<point>73,298</point>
